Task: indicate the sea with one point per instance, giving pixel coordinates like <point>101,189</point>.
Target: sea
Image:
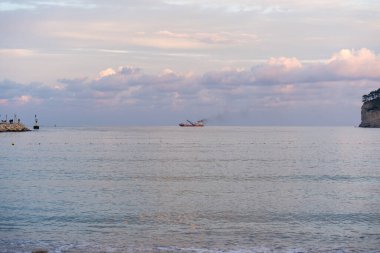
<point>194,190</point>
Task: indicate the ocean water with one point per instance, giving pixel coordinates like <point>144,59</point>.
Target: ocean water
<point>171,189</point>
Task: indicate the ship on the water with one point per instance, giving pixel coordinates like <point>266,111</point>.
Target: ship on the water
<point>199,123</point>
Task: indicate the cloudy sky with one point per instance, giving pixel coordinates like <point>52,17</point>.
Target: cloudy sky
<point>159,62</point>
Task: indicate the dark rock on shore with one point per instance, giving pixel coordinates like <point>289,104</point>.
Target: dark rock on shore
<point>15,127</point>
<point>40,251</point>
<point>370,113</point>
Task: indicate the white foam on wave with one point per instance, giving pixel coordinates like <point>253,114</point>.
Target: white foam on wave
<point>63,248</point>
<point>84,247</point>
<point>250,250</point>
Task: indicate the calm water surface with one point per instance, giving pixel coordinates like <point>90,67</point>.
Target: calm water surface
<point>171,189</point>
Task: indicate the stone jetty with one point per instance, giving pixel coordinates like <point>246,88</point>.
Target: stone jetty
<point>14,127</point>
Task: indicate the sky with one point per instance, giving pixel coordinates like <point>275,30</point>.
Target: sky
<point>160,62</point>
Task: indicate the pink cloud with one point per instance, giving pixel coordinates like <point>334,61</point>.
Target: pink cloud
<point>285,64</point>
<point>286,89</point>
<point>343,65</point>
<point>211,37</point>
<point>106,72</point>
<point>279,70</point>
<point>351,63</point>
<point>26,99</point>
<point>174,35</point>
<point>283,76</point>
<point>279,82</point>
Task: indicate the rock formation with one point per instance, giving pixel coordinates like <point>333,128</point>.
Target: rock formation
<point>40,251</point>
<point>15,127</point>
<point>371,113</point>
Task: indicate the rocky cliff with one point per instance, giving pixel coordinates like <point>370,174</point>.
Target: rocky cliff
<point>371,113</point>
<point>15,127</point>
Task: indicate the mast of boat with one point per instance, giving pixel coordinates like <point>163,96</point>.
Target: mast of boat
<point>191,122</point>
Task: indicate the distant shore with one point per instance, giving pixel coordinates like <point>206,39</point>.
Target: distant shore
<point>14,127</point>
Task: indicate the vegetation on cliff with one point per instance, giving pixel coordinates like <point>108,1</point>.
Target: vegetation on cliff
<point>371,96</point>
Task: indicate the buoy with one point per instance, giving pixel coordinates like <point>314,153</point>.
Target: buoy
<point>13,144</point>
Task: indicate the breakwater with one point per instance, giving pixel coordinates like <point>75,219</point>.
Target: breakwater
<point>14,127</point>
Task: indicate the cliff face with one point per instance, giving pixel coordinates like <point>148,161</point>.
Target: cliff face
<point>15,127</point>
<point>371,113</point>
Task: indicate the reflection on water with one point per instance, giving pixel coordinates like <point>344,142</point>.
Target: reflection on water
<point>168,189</point>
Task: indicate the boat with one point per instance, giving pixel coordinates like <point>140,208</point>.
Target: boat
<point>199,123</point>
<point>36,126</point>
